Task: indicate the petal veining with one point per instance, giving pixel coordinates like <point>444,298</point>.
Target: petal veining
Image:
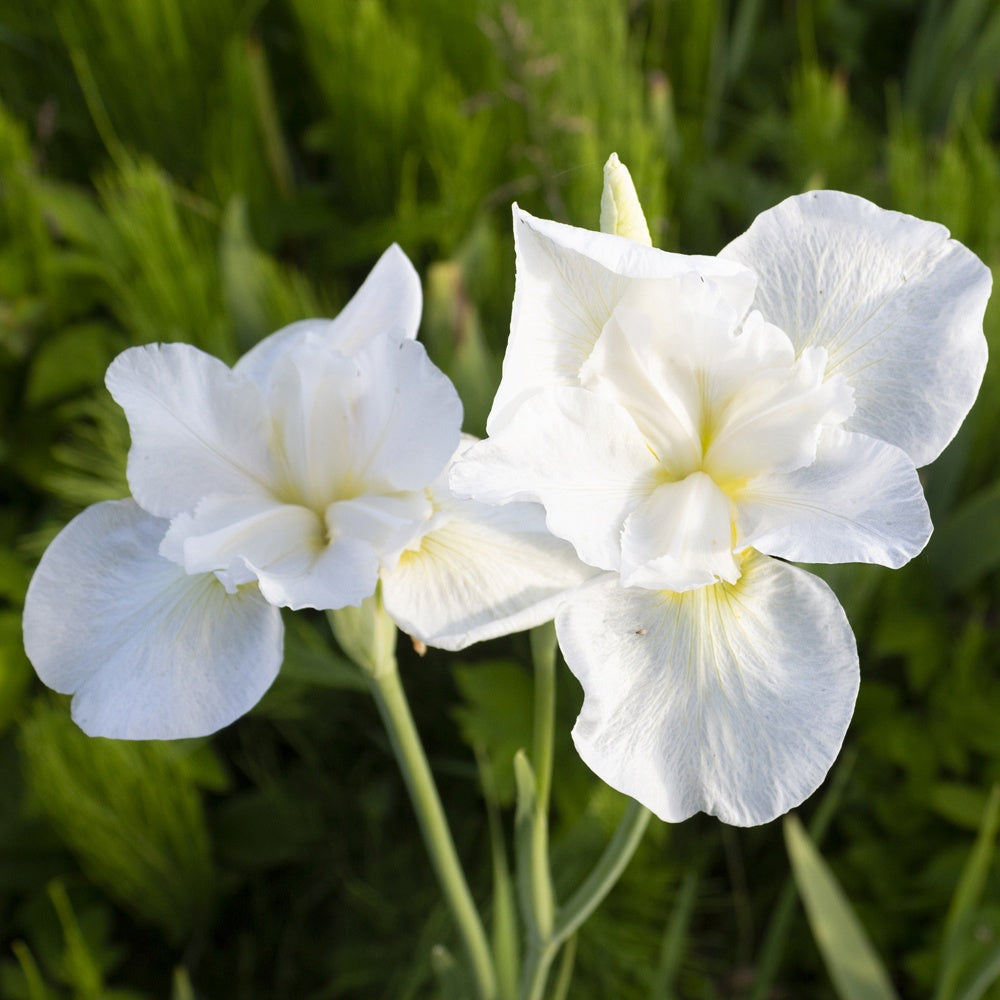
<point>578,454</point>
<point>860,501</point>
<point>897,305</point>
<point>197,427</point>
<point>730,700</point>
<point>568,283</point>
<point>483,572</point>
<point>773,420</point>
<point>345,425</point>
<point>146,650</point>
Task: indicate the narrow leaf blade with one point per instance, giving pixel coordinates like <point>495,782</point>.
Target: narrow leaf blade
<point>855,969</point>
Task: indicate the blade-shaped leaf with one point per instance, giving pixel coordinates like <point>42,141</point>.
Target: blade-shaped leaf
<point>855,969</point>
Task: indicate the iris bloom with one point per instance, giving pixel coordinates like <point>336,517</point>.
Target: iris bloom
<point>692,426</point>
<point>300,478</point>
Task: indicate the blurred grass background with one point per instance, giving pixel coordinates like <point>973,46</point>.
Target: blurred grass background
<point>206,172</point>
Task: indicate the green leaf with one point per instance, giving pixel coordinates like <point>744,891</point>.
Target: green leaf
<point>34,984</point>
<point>968,893</point>
<point>182,990</point>
<point>967,546</point>
<point>131,813</point>
<point>495,716</point>
<point>72,360</point>
<point>855,969</point>
<point>82,969</point>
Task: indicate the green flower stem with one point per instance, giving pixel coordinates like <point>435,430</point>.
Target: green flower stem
<point>585,900</point>
<point>606,872</point>
<point>368,635</point>
<point>543,655</point>
<point>537,896</point>
<point>564,974</point>
<point>549,927</point>
<point>395,712</point>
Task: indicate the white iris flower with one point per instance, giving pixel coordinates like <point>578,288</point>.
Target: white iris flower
<point>300,478</point>
<point>684,421</point>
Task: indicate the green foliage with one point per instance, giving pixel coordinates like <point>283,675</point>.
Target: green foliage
<point>855,969</point>
<point>132,814</point>
<point>209,172</point>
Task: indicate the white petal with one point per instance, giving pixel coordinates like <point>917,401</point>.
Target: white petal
<point>860,501</point>
<point>229,535</point>
<point>645,360</point>
<point>197,427</point>
<point>343,574</point>
<point>147,651</point>
<point>730,700</point>
<point>382,419</point>
<point>569,281</point>
<point>387,522</point>
<point>680,537</point>
<point>389,300</point>
<point>297,560</point>
<point>485,572</point>
<point>774,420</point>
<point>579,455</point>
<point>896,303</point>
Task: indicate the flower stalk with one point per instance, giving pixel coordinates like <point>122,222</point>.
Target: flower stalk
<point>378,663</point>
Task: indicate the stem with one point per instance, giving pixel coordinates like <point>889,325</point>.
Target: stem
<point>392,705</point>
<point>543,655</point>
<point>564,975</point>
<point>585,900</point>
<point>536,969</point>
<point>540,904</point>
<point>606,872</point>
<point>532,836</point>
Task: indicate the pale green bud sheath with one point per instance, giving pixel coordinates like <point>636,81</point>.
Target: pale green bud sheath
<point>621,213</point>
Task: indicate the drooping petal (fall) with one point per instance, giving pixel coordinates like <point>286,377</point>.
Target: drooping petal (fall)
<point>146,650</point>
<point>197,427</point>
<point>484,572</point>
<point>579,455</point>
<point>897,305</point>
<point>569,281</point>
<point>731,699</point>
<point>860,501</point>
<point>389,300</point>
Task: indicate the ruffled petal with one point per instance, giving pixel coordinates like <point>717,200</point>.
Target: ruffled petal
<point>579,455</point>
<point>730,700</point>
<point>895,302</point>
<point>389,300</point>
<point>197,427</point>
<point>680,537</point>
<point>389,523</point>
<point>484,572</point>
<point>569,281</point>
<point>298,559</point>
<point>147,651</point>
<point>860,501</point>
<point>381,419</point>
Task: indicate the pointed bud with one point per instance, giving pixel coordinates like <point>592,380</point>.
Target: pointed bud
<point>621,212</point>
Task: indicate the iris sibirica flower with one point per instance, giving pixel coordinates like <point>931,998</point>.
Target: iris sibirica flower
<point>693,425</point>
<point>302,477</point>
